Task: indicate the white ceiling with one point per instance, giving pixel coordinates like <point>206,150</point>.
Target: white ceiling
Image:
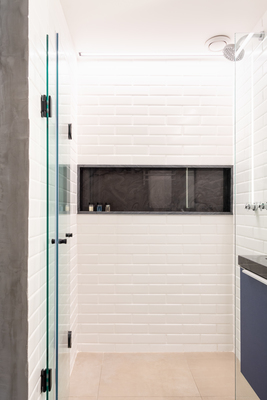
<point>156,26</point>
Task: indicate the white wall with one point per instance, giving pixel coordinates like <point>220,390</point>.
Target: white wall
<point>45,17</point>
<point>155,282</point>
<point>251,145</point>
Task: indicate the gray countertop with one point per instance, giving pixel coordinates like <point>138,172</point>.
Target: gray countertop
<point>255,264</point>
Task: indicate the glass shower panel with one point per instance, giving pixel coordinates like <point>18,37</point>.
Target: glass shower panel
<point>250,188</point>
<point>51,213</point>
<point>64,114</point>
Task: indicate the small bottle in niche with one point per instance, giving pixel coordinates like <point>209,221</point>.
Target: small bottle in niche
<point>99,207</point>
<point>107,207</point>
<point>91,207</point>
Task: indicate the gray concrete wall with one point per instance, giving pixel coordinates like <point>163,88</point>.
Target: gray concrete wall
<point>14,183</point>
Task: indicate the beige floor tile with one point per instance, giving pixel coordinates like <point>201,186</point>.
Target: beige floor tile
<point>214,373</point>
<point>178,359</point>
<point>219,386</point>
<point>94,359</point>
<point>155,376</point>
<point>150,398</point>
<point>243,398</point>
<point>82,398</point>
<point>178,382</point>
<point>212,368</point>
<point>219,398</point>
<point>141,375</point>
<point>130,375</point>
<point>85,377</point>
<point>210,355</point>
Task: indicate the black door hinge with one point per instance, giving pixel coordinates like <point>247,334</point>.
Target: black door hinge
<point>49,380</point>
<point>43,381</point>
<point>46,106</point>
<point>46,380</point>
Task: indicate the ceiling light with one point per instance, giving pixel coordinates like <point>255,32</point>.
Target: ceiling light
<point>217,43</point>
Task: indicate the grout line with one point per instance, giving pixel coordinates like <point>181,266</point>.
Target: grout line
<point>193,378</point>
<point>103,355</point>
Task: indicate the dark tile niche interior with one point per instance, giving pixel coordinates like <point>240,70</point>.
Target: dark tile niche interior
<point>155,189</point>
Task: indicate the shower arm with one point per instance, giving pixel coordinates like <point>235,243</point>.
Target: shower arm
<point>260,36</point>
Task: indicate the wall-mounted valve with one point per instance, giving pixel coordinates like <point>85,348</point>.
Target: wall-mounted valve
<point>256,206</point>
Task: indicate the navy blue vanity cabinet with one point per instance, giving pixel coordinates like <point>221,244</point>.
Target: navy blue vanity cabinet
<point>254,333</point>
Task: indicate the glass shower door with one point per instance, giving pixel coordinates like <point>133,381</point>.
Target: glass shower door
<point>250,212</point>
<point>58,231</point>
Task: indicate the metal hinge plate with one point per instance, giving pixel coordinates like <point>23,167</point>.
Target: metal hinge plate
<point>46,380</point>
<point>46,106</point>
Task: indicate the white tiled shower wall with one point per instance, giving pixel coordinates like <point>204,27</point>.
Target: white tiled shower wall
<point>251,146</point>
<point>45,17</point>
<point>155,282</point>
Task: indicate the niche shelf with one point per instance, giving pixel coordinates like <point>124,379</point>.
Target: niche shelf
<point>155,189</point>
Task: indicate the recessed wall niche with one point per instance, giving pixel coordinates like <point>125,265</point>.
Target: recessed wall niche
<point>155,189</point>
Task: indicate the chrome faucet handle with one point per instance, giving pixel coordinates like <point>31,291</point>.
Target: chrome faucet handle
<point>255,207</point>
<point>262,206</point>
<point>247,206</point>
<point>262,35</point>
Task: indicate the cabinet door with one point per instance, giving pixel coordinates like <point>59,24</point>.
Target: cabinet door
<point>254,334</point>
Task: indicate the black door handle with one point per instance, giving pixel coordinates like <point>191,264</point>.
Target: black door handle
<point>60,241</point>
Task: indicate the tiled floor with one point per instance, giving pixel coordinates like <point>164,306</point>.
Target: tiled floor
<point>155,376</point>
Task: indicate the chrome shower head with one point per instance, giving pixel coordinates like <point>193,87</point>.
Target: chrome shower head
<point>230,53</point>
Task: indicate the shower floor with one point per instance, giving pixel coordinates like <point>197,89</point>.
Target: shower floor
<point>153,376</point>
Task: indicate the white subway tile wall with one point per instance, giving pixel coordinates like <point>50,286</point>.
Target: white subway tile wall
<point>251,142</point>
<point>155,282</point>
<point>162,112</point>
<point>45,18</point>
